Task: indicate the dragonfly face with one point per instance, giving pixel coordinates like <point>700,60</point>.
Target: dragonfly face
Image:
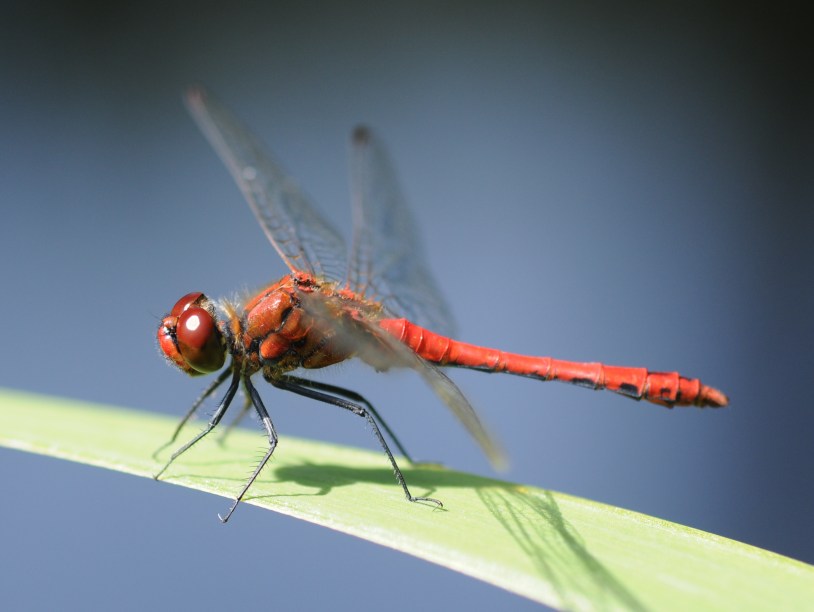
<point>189,336</point>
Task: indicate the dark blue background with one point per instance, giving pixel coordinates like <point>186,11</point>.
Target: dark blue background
<point>630,185</point>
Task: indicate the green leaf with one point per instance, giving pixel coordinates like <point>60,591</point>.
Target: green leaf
<point>560,550</point>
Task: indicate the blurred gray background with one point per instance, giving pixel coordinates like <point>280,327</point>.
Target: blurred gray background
<point>627,184</point>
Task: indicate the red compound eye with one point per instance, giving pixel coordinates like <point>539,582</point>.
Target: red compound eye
<point>199,340</point>
<point>190,299</point>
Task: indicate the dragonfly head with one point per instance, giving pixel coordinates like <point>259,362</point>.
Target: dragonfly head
<point>189,336</point>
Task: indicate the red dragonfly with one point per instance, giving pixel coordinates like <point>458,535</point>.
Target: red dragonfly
<point>379,308</point>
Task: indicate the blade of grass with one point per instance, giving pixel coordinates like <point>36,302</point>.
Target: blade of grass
<point>560,550</point>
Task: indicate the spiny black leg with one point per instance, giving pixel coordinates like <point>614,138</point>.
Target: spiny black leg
<point>272,434</point>
<point>354,397</point>
<point>290,384</point>
<point>244,410</point>
<point>207,392</point>
<point>216,417</point>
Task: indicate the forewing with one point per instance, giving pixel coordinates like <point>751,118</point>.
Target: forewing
<point>303,238</point>
<point>387,258</point>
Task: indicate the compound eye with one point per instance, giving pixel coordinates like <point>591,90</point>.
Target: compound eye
<point>199,340</point>
<point>190,299</point>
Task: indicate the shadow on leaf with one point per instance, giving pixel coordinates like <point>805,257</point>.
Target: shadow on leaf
<point>532,518</point>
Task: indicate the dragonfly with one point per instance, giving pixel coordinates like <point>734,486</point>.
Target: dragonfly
<point>377,302</point>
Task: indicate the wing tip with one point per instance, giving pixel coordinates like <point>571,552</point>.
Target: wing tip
<point>500,462</point>
<point>362,135</point>
<point>196,95</point>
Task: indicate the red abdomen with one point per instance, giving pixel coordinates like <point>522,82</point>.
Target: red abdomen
<point>665,388</point>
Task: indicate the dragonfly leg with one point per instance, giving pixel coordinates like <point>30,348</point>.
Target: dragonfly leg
<point>216,417</point>
<point>354,397</point>
<point>272,434</point>
<point>244,410</point>
<point>193,409</point>
<point>294,384</point>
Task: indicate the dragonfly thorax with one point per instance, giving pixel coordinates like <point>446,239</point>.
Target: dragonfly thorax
<point>281,334</point>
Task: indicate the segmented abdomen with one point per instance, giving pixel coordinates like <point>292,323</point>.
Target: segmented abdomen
<point>665,388</point>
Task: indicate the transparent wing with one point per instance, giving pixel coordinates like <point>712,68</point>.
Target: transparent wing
<point>302,237</point>
<point>456,401</point>
<point>387,259</point>
<point>376,347</point>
